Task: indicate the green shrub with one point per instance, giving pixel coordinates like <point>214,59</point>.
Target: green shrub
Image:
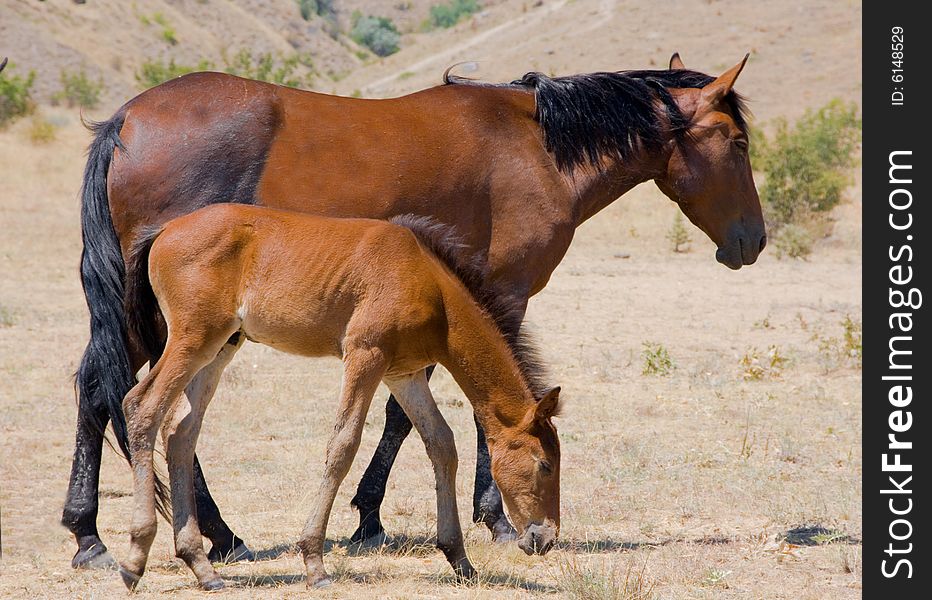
<point>807,167</point>
<point>378,34</point>
<point>15,98</point>
<point>155,72</point>
<point>657,360</point>
<point>321,8</point>
<point>265,68</point>
<point>448,15</point>
<point>79,90</point>
<point>794,240</point>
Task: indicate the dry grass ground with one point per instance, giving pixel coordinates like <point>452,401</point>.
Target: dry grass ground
<point>717,480</point>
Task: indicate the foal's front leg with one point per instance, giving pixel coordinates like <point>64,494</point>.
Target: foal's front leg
<point>363,370</point>
<point>415,398</point>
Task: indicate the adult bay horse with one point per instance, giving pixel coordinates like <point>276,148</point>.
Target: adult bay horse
<point>389,299</point>
<point>513,168</point>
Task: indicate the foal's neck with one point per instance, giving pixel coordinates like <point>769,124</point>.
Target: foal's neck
<point>484,366</point>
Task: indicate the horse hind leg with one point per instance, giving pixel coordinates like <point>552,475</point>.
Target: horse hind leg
<point>226,547</point>
<point>180,432</point>
<point>145,406</point>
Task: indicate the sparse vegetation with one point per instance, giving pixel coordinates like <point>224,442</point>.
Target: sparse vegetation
<point>41,130</point>
<point>657,360</point>
<point>79,90</point>
<point>6,317</point>
<point>835,352</point>
<point>807,168</point>
<point>451,13</point>
<point>585,582</point>
<point>679,235</point>
<point>15,98</point>
<point>264,67</point>
<point>378,34</point>
<point>756,367</point>
<point>155,72</point>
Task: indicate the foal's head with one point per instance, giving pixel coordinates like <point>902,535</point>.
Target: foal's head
<point>526,467</point>
<point>709,174</point>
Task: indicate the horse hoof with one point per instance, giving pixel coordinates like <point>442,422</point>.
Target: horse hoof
<point>320,583</point>
<point>213,585</point>
<point>368,530</point>
<point>466,573</point>
<point>378,540</point>
<point>130,579</point>
<point>240,553</point>
<point>95,557</point>
<point>503,532</point>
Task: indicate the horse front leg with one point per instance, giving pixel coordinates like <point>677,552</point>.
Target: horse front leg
<point>414,395</point>
<point>487,505</point>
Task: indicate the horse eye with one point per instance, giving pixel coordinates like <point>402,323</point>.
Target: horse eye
<point>545,467</point>
<point>742,143</point>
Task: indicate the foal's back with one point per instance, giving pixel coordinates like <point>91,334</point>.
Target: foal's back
<point>300,283</point>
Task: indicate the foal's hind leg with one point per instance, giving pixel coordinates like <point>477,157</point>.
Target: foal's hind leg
<point>145,406</point>
<point>414,396</point>
<point>180,431</point>
<point>363,369</point>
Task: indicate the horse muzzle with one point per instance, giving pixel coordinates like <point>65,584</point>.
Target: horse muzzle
<point>538,539</point>
<point>742,249</point>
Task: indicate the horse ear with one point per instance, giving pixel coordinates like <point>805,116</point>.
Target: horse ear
<point>719,88</point>
<point>549,405</point>
<point>676,62</point>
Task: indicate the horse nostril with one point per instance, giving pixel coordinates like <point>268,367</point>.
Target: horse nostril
<point>763,242</point>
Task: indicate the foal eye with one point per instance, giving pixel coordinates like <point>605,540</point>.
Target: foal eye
<point>545,467</point>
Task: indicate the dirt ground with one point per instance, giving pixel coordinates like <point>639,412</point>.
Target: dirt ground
<point>725,478</point>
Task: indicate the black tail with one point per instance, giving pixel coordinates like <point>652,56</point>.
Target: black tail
<point>105,373</point>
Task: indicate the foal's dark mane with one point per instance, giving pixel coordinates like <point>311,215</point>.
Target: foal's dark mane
<point>443,242</point>
<point>592,116</point>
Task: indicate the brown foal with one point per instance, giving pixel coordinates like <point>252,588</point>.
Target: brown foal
<point>390,299</point>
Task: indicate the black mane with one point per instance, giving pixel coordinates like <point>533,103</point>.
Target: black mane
<point>588,117</point>
<point>443,242</point>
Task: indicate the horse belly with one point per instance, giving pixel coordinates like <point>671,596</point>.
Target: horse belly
<point>294,325</point>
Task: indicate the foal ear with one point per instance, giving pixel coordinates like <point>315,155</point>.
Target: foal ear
<point>676,62</point>
<point>549,405</point>
<point>719,88</point>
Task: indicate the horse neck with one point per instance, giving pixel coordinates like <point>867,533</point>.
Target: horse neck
<point>483,365</point>
<point>596,189</point>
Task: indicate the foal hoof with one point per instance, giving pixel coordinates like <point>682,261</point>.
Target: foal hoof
<point>94,557</point>
<point>130,579</point>
<point>213,585</point>
<point>320,583</point>
<point>239,553</point>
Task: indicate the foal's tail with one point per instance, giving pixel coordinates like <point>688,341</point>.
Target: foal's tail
<point>141,305</point>
<point>105,374</point>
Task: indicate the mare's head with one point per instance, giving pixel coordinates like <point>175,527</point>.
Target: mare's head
<point>526,467</point>
<point>709,173</point>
